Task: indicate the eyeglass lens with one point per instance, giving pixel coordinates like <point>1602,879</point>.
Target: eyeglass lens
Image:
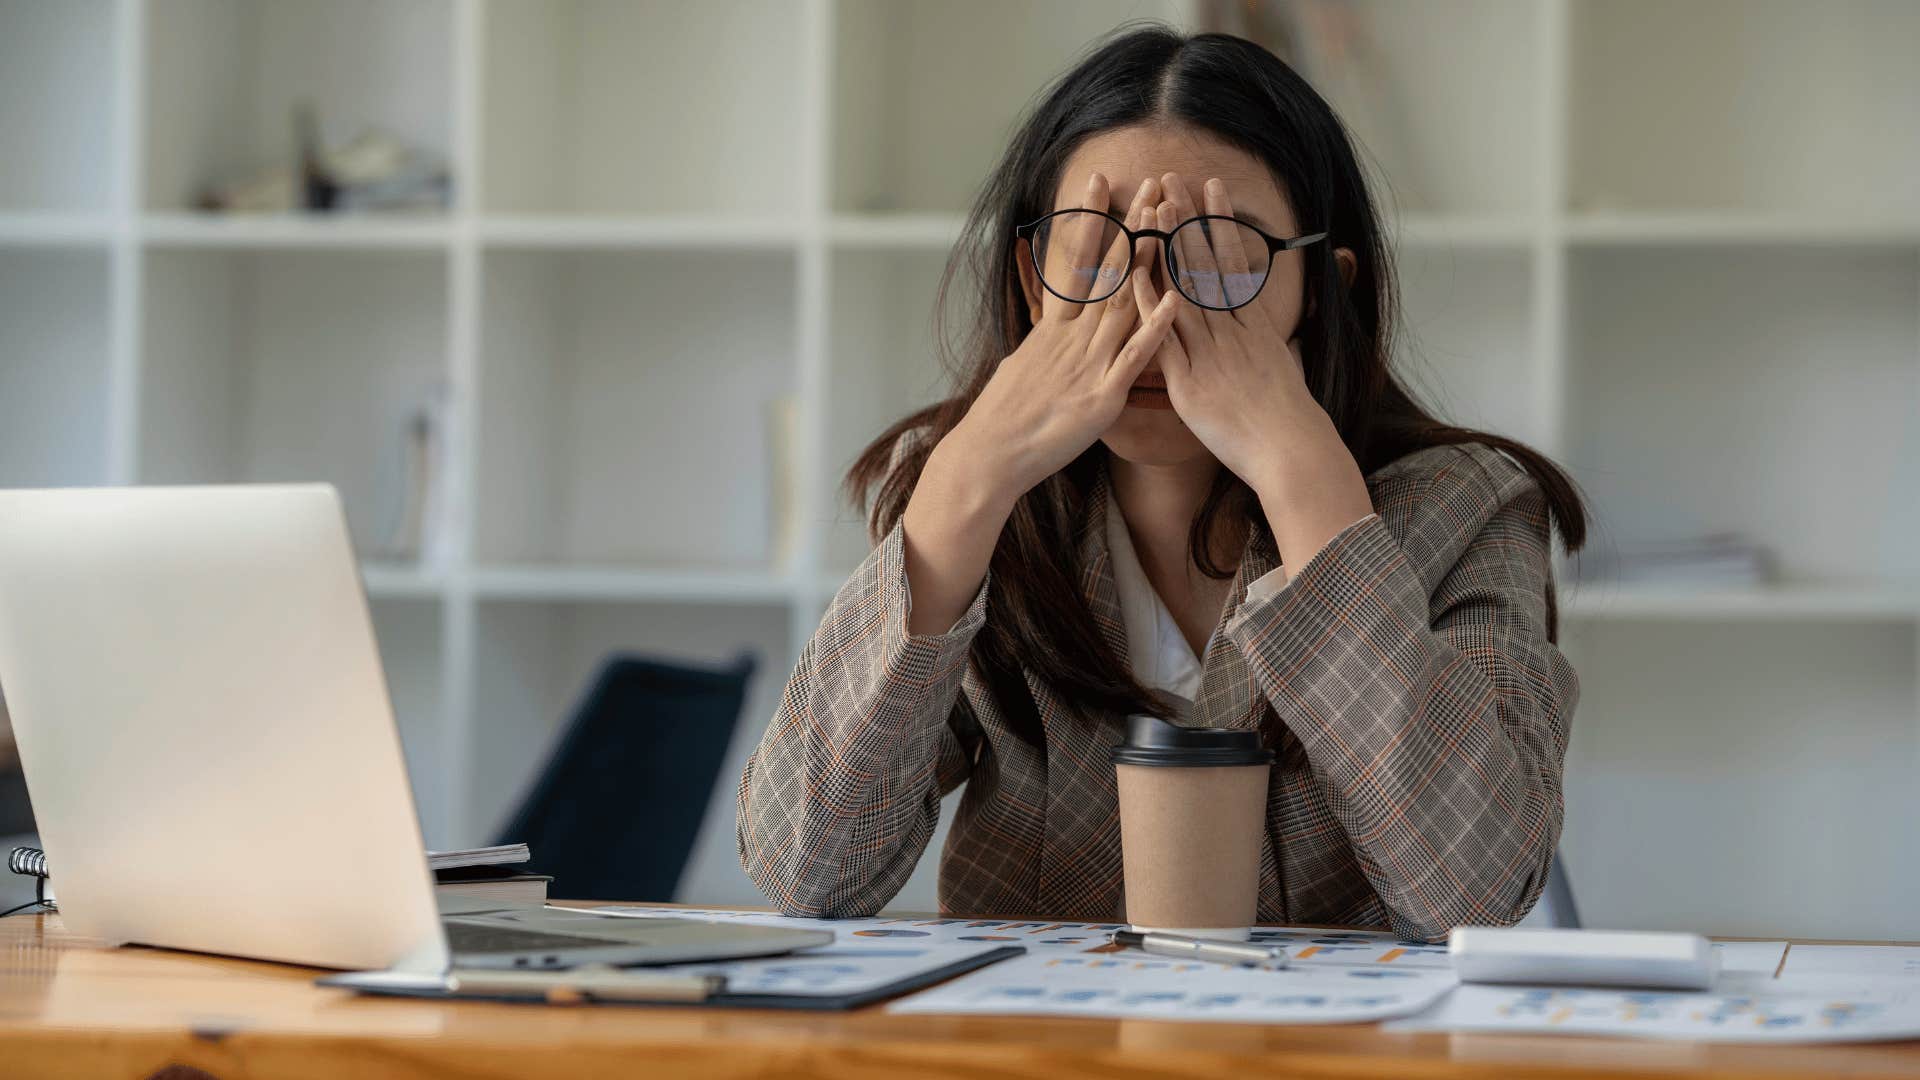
<point>1082,256</point>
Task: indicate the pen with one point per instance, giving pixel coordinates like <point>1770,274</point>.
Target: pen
<point>592,982</point>
<point>1240,953</point>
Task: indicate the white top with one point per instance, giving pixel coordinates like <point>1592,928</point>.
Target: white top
<point>1156,649</point>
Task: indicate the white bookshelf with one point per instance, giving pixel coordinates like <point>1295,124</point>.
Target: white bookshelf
<point>1695,285</point>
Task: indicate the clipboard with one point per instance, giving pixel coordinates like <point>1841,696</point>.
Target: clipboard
<point>641,986</point>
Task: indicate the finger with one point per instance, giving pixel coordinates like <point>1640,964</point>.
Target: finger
<point>1199,272</point>
<point>1228,247</point>
<point>1118,317</point>
<point>1242,272</point>
<point>1120,262</point>
<point>1120,254</point>
<point>1149,299</point>
<point>1146,294</point>
<point>1072,245</point>
<point>1190,321</point>
<point>1175,363</point>
<point>1141,347</point>
<point>1096,238</point>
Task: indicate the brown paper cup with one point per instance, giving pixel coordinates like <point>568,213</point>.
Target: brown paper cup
<point>1192,815</point>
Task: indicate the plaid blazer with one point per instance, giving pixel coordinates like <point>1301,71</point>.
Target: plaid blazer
<point>1404,676</point>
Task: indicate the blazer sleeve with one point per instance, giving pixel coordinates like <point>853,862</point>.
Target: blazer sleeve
<point>837,804</point>
<point>1437,718</point>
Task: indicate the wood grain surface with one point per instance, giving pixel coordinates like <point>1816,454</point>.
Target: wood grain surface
<point>70,1007</point>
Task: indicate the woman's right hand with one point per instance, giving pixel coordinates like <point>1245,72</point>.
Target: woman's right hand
<point>1044,405</point>
<point>1068,380</point>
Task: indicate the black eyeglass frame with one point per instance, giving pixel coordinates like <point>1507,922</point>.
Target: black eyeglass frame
<point>1275,245</point>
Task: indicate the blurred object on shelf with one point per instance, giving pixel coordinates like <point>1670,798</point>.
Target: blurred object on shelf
<point>412,521</point>
<point>783,444</point>
<point>373,172</point>
<point>1331,44</point>
<point>1272,23</point>
<point>317,187</point>
<point>1711,561</point>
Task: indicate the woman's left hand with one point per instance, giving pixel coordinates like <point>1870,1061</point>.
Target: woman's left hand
<point>1239,385</point>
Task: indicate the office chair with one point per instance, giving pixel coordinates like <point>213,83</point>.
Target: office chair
<point>1560,895</point>
<point>616,809</point>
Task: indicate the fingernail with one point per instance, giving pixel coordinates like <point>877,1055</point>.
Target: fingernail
<point>1215,187</point>
<point>1093,183</point>
<point>1145,186</point>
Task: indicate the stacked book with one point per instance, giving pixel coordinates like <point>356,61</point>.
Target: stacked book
<point>496,873</point>
<point>1712,561</point>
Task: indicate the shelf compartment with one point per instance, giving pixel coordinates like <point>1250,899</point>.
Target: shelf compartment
<point>1745,105</point>
<point>535,661</point>
<point>293,366</point>
<point>629,408</point>
<point>568,120</point>
<point>1703,754</point>
<point>224,78</point>
<point>57,79</point>
<point>1442,98</point>
<point>1466,343</point>
<point>882,365</point>
<point>1765,391</point>
<point>916,127</point>
<point>54,373</point>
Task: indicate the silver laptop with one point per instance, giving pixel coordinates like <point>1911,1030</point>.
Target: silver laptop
<point>212,755</point>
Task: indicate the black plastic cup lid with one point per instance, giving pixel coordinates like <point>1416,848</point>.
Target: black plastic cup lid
<point>1153,741</point>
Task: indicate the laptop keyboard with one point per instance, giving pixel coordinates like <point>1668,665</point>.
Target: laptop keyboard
<point>463,937</point>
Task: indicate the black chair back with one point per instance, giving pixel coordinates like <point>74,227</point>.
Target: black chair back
<point>616,809</point>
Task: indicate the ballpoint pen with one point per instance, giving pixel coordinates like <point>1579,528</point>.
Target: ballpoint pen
<point>1239,953</point>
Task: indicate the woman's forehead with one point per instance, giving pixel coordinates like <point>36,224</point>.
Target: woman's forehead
<point>1128,156</point>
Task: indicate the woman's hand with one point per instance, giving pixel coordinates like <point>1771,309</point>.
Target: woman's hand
<point>1067,382</point>
<point>1046,403</point>
<point>1239,385</point>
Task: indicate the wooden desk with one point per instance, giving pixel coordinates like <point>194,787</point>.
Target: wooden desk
<point>70,1008</point>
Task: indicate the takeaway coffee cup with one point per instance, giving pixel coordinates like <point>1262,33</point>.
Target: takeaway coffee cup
<point>1192,811</point>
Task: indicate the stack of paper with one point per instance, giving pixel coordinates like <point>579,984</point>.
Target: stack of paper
<point>1766,992</point>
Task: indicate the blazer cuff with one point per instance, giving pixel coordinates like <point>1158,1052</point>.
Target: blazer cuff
<point>940,651</point>
<point>1268,584</point>
<point>1349,608</point>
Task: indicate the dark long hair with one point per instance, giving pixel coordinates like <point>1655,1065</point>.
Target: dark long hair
<point>1246,96</point>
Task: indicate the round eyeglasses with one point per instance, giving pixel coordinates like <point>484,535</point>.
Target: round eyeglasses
<point>1218,262</point>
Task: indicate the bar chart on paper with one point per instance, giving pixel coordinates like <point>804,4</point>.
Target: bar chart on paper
<point>1786,1012</point>
<point>1125,987</point>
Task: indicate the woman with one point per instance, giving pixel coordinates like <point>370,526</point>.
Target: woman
<point>1195,491</point>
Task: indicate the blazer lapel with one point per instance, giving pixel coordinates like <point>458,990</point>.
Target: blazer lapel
<point>1096,567</point>
<point>1080,866</point>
